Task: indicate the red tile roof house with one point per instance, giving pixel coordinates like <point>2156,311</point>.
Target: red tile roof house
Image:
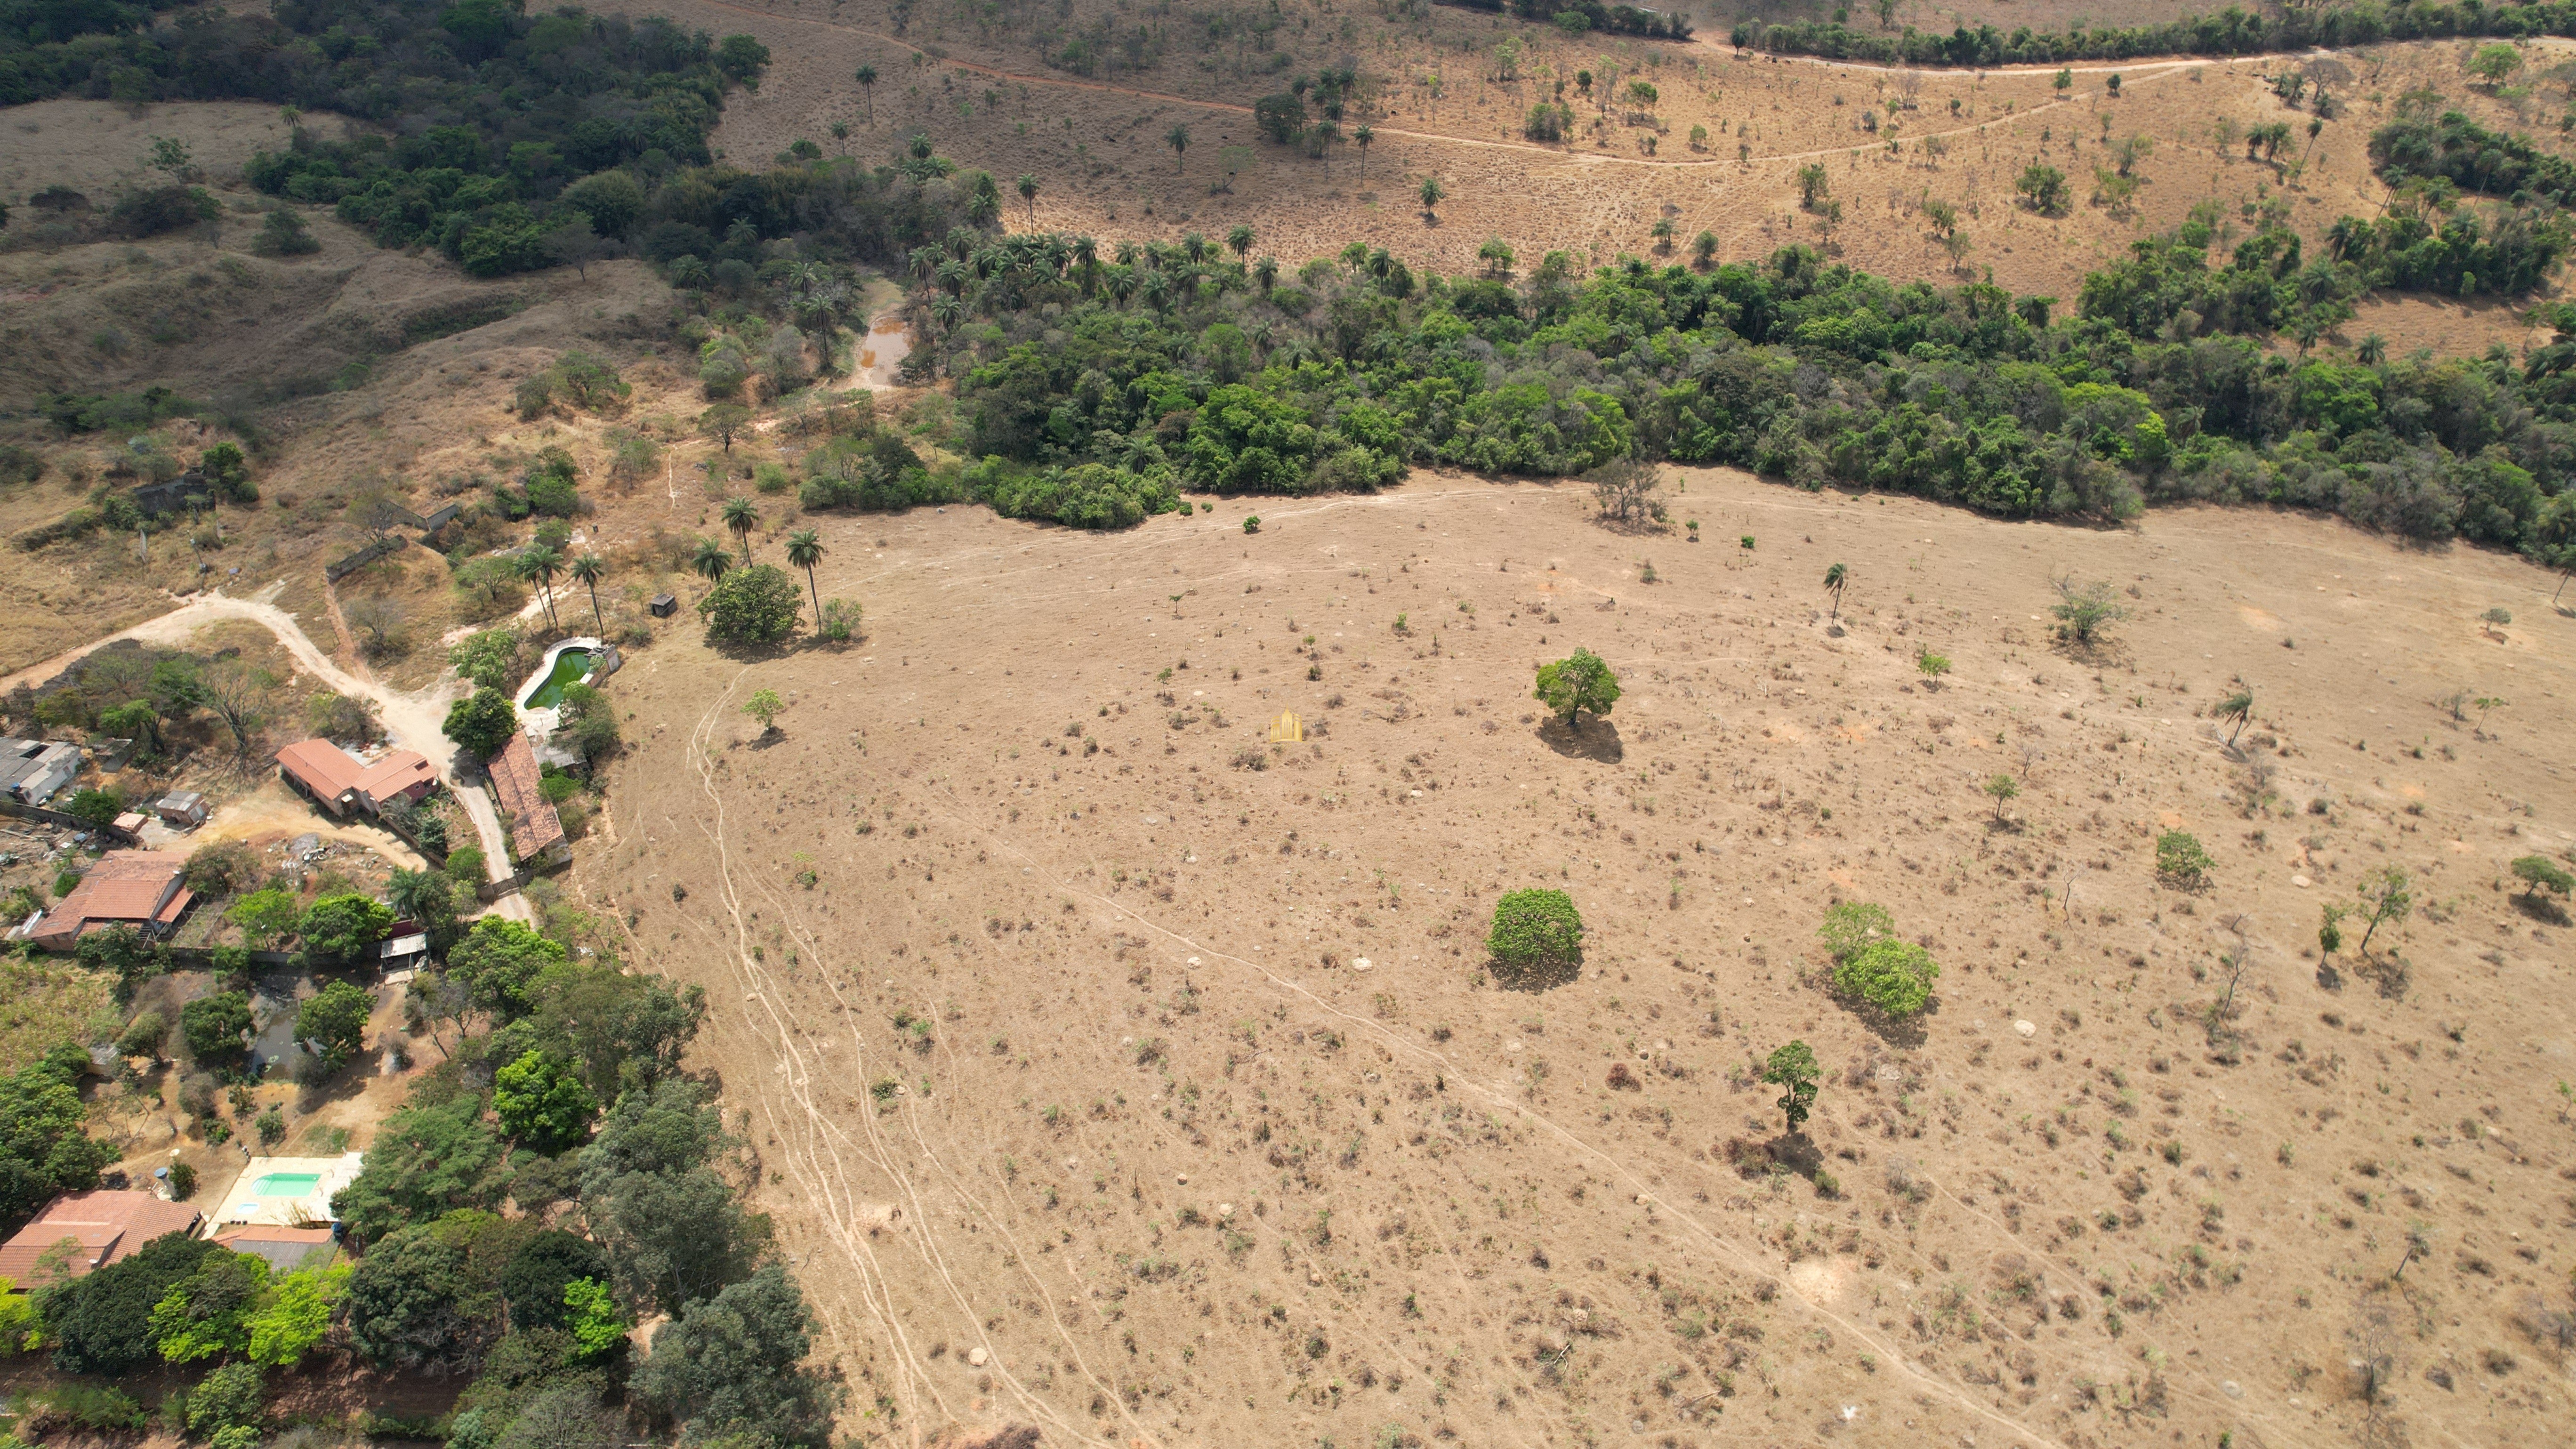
<point>340,782</point>
<point>138,888</point>
<point>536,831</point>
<point>99,1227</point>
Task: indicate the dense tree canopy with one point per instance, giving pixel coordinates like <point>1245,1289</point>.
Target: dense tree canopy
<point>44,1149</point>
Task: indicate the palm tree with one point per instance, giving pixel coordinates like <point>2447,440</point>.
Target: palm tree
<point>841,136</point>
<point>711,562</point>
<point>1086,259</point>
<point>1265,272</point>
<point>1238,240</point>
<point>536,564</point>
<point>1178,138</point>
<point>1431,193</point>
<point>867,78</point>
<point>1029,194</point>
<point>1361,138</point>
<point>1704,248</point>
<point>742,516</point>
<point>1835,578</point>
<point>804,550</point>
<point>588,568</point>
<point>2238,707</point>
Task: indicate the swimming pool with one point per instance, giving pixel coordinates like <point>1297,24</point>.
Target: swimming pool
<point>286,1184</point>
<point>570,666</point>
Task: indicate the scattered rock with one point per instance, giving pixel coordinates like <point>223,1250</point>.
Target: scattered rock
<point>977,1357</point>
<point>2025,1029</point>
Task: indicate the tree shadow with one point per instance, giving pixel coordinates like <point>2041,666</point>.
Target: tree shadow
<point>1535,977</point>
<point>2540,908</point>
<point>1906,1032</point>
<point>1596,740</point>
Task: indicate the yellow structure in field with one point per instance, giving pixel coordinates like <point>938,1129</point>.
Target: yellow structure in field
<point>1287,729</point>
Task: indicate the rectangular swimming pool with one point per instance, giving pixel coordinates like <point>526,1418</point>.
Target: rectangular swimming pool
<point>286,1184</point>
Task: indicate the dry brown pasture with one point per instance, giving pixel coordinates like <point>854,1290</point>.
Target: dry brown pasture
<point>1113,1072</point>
<point>1097,145</point>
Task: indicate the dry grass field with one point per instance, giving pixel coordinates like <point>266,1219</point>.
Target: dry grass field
<point>1119,1075</point>
<point>1115,1073</point>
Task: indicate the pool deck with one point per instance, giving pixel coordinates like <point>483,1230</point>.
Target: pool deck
<point>242,1204</point>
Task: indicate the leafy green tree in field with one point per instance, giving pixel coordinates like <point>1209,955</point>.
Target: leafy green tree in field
<point>427,1160</point>
<point>755,605</point>
<point>2181,860</point>
<point>488,657</point>
<point>1578,682</point>
<point>2387,899</point>
<point>2084,611</point>
<point>765,706</point>
<point>2492,62</point>
<point>482,723</point>
<point>1537,936</point>
<point>2002,788</point>
<point>1850,925</point>
<point>1892,976</point>
<point>2043,189</point>
<point>1932,666</point>
<point>208,1312</point>
<point>339,927</point>
<point>296,1314</point>
<point>214,1026</point>
<point>1792,1069</point>
<point>499,961</point>
<point>266,917</point>
<point>336,1017</point>
<point>2539,873</point>
<point>542,1102</point>
<point>734,1365</point>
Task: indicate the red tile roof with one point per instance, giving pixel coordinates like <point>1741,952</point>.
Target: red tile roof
<point>128,887</point>
<point>517,789</point>
<point>323,767</point>
<point>398,771</point>
<point>106,1224</point>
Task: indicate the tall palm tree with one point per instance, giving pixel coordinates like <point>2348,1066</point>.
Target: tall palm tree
<point>536,564</point>
<point>742,516</point>
<point>1835,578</point>
<point>711,562</point>
<point>1086,259</point>
<point>1266,272</point>
<point>1029,194</point>
<point>1238,240</point>
<point>1362,136</point>
<point>804,550</point>
<point>867,79</point>
<point>588,568</point>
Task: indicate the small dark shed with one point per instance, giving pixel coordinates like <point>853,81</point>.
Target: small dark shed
<point>663,606</point>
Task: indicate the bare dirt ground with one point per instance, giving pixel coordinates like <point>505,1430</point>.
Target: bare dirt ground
<point>1215,1130</point>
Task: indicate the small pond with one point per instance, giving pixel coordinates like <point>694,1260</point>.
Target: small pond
<point>570,666</point>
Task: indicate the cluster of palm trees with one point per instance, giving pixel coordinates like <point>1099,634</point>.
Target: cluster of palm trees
<point>1008,266</point>
<point>712,561</point>
<point>538,564</point>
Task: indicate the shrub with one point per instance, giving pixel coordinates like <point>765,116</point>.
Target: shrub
<point>840,621</point>
<point>1536,934</point>
<point>755,605</point>
<point>1851,925</point>
<point>183,1182</point>
<point>2180,861</point>
<point>143,1036</point>
<point>2083,612</point>
<point>1933,665</point>
<point>465,865</point>
<point>1891,976</point>
<point>229,1398</point>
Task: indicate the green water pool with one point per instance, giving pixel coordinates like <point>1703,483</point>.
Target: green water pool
<point>570,666</point>
<point>286,1184</point>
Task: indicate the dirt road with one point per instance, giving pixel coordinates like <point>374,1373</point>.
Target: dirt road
<point>413,721</point>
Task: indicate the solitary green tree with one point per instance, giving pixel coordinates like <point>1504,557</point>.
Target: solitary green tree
<point>1835,577</point>
<point>1578,682</point>
<point>1536,934</point>
<point>1892,975</point>
<point>2387,899</point>
<point>1178,138</point>
<point>1029,194</point>
<point>741,516</point>
<point>2084,611</point>
<point>482,722</point>
<point>2002,788</point>
<point>867,78</point>
<point>1792,1069</point>
<point>2538,873</point>
<point>1431,192</point>
<point>804,551</point>
<point>765,706</point>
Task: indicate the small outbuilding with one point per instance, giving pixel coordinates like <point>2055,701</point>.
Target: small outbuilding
<point>663,606</point>
<point>181,809</point>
